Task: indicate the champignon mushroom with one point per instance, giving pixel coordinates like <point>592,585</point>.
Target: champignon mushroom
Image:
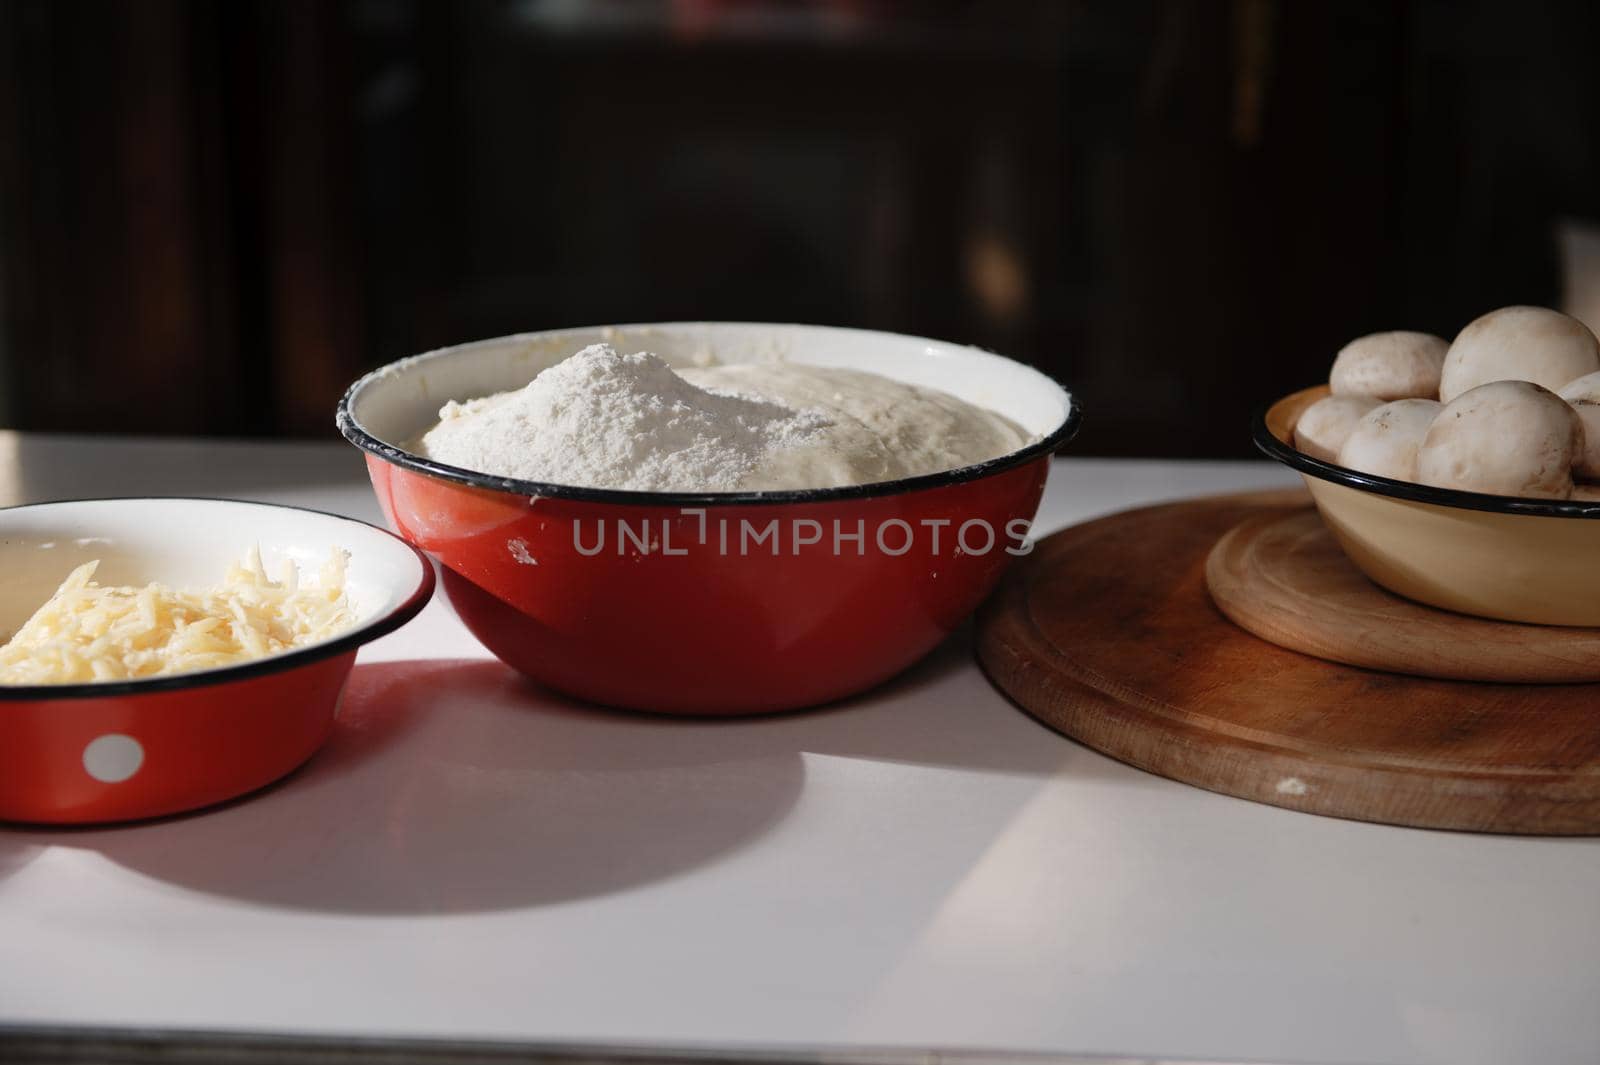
<point>1323,426</point>
<point>1385,441</point>
<point>1519,344</point>
<point>1584,395</point>
<point>1509,438</point>
<point>1397,365</point>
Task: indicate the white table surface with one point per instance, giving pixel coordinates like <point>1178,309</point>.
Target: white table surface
<point>924,866</point>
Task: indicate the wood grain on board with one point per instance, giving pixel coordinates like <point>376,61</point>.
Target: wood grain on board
<point>1106,633</point>
<point>1282,576</point>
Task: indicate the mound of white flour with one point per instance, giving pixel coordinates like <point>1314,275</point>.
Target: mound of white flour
<point>603,420</point>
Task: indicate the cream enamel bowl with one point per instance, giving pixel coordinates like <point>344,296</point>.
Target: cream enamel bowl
<point>1500,557</point>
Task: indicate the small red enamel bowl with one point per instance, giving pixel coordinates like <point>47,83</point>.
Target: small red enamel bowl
<point>713,603</point>
<point>122,750</point>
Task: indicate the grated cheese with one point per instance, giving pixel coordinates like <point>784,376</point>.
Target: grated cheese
<point>89,633</point>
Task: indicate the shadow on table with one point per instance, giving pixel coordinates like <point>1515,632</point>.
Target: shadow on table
<point>457,786</point>
<point>16,851</point>
<point>453,786</point>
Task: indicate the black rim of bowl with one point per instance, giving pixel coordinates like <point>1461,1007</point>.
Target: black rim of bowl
<point>354,432</point>
<point>260,667</point>
<point>1416,493</point>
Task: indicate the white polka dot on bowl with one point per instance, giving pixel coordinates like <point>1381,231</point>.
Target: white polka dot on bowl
<point>113,758</point>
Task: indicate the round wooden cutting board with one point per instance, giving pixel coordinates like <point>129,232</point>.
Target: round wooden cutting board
<point>1106,633</point>
<point>1282,576</point>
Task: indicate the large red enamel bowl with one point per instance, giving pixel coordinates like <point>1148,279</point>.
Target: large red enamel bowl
<point>717,603</point>
<point>120,751</point>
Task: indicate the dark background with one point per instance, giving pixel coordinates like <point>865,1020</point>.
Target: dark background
<point>214,215</point>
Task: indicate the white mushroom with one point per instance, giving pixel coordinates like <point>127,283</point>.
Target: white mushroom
<point>1509,438</point>
<point>1584,395</point>
<point>1385,441</point>
<point>1322,427</point>
<point>1398,365</point>
<point>1519,344</point>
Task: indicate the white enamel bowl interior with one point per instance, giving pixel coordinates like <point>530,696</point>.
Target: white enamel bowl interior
<point>401,401</point>
<point>189,544</point>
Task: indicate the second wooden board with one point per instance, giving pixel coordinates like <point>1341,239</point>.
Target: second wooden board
<point>1283,577</point>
